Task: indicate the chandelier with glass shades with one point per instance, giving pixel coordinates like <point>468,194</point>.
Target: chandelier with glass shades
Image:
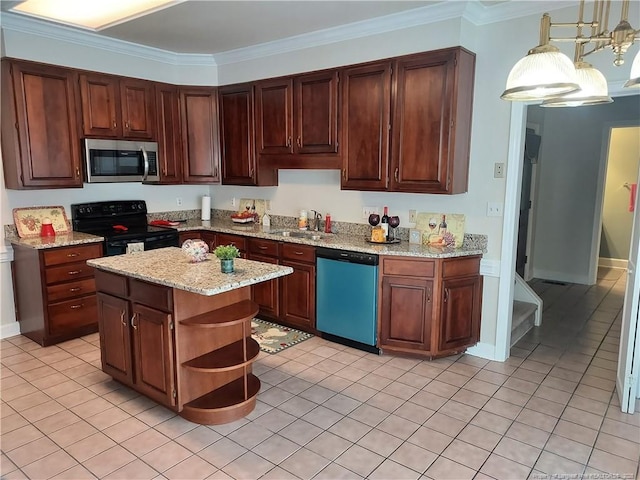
<point>547,74</point>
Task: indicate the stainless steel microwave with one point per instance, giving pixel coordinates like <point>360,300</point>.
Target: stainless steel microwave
<point>109,161</point>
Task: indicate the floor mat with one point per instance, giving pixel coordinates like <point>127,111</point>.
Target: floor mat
<point>274,338</point>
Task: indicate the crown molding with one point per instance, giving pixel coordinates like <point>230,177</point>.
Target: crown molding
<point>32,26</point>
<point>472,10</point>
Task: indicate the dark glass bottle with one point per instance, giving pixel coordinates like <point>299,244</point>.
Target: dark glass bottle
<point>442,228</point>
<point>384,223</point>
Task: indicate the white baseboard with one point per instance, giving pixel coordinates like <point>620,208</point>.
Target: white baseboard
<point>613,262</point>
<point>561,276</point>
<point>483,350</point>
<point>9,330</point>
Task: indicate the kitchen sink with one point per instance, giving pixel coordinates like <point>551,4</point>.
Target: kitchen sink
<point>299,234</point>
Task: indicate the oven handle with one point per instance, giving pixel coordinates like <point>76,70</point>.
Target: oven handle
<point>145,156</point>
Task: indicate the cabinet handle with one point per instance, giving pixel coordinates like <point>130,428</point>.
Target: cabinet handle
<point>72,254</point>
<point>74,272</point>
<point>77,172</point>
<point>344,174</point>
<point>133,317</point>
<point>262,247</point>
<point>395,175</point>
<point>75,289</point>
<point>428,295</point>
<point>299,253</point>
<point>126,125</point>
<point>122,320</point>
<point>215,172</point>
<point>164,172</point>
<point>446,295</point>
<point>251,172</point>
<point>74,307</point>
<point>299,142</point>
<point>289,142</point>
<point>115,125</point>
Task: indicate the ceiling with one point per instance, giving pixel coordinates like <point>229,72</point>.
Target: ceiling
<point>212,26</point>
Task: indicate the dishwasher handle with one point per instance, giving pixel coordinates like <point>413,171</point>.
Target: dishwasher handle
<point>347,256</point>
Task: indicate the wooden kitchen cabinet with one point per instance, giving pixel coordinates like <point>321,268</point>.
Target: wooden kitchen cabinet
<point>169,133</point>
<point>229,239</point>
<point>117,107</point>
<point>55,292</point>
<point>40,143</point>
<point>432,122</point>
<point>298,290</point>
<point>200,143</point>
<point>366,121</point>
<point>266,294</point>
<point>429,307</point>
<point>137,335</point>
<point>297,120</point>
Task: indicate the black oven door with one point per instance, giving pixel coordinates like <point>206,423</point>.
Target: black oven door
<point>151,242</point>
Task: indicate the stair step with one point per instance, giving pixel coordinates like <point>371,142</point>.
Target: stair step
<point>524,316</point>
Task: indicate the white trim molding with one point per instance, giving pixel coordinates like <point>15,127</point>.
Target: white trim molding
<point>613,262</point>
<point>489,267</point>
<point>483,350</point>
<point>9,330</point>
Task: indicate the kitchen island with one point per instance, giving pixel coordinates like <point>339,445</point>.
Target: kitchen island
<point>180,332</point>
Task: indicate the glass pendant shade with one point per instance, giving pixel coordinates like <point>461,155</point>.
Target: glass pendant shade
<point>593,89</point>
<point>545,72</point>
<point>634,78</point>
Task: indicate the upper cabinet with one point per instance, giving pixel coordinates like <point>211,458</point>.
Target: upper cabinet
<point>430,123</point>
<point>40,144</point>
<point>169,133</point>
<point>117,107</point>
<point>200,145</point>
<point>297,121</point>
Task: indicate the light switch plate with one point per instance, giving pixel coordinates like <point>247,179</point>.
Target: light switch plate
<point>415,236</point>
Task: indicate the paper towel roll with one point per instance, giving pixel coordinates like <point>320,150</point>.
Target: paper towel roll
<point>206,208</point>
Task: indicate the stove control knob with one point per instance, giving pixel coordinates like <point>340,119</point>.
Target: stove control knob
<point>140,206</point>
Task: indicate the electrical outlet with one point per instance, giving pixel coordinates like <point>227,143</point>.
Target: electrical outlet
<point>134,247</point>
<point>413,216</point>
<point>267,205</point>
<point>366,211</point>
<point>233,202</point>
<point>179,201</point>
<point>498,170</point>
<point>494,209</point>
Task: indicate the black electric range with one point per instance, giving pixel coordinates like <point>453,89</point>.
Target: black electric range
<point>121,222</point>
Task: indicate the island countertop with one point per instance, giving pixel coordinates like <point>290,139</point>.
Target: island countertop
<point>170,267</point>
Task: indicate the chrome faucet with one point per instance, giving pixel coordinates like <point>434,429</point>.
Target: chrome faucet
<point>315,222</point>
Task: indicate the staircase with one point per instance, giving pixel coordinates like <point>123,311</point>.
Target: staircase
<point>527,310</point>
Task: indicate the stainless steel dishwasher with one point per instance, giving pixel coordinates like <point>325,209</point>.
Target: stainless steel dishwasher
<point>347,297</point>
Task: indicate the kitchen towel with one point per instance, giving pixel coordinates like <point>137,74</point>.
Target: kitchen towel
<point>633,189</point>
<point>206,208</point>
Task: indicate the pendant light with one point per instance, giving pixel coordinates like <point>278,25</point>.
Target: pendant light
<point>545,71</point>
<point>634,81</point>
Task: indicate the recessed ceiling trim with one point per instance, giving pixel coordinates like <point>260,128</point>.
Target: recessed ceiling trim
<point>480,14</point>
<point>47,30</point>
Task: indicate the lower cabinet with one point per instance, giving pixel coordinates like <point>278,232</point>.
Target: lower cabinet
<point>298,290</point>
<point>266,294</point>
<point>429,307</point>
<point>189,352</point>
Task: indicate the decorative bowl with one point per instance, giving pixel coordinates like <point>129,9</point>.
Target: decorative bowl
<point>195,250</point>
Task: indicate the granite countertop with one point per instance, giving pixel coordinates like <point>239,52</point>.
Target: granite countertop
<point>58,240</point>
<point>473,244</point>
<point>170,267</point>
<point>341,241</point>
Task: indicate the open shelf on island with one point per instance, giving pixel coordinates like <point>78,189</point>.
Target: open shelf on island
<point>226,358</point>
<point>233,314</point>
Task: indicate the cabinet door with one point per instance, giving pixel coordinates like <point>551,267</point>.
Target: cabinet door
<point>153,346</point>
<point>422,123</point>
<point>237,135</point>
<point>461,310</point>
<point>138,108</point>
<point>199,115</point>
<point>298,295</point>
<point>274,117</point>
<point>266,294</point>
<point>115,337</point>
<point>405,321</point>
<point>366,104</point>
<point>316,113</point>
<point>100,105</point>
<point>210,239</point>
<point>169,133</point>
<point>40,142</point>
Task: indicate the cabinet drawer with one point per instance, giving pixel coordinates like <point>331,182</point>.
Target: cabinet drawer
<point>409,268</point>
<point>64,317</point>
<point>72,271</point>
<point>55,293</point>
<point>111,283</point>
<point>155,296</point>
<point>228,239</point>
<point>59,256</point>
<point>461,267</point>
<point>301,253</point>
<point>264,247</point>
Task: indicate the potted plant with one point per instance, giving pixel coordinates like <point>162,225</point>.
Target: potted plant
<point>226,254</point>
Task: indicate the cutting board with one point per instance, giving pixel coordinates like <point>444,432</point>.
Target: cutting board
<point>28,220</point>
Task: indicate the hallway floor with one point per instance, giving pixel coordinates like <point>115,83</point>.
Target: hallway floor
<point>327,412</point>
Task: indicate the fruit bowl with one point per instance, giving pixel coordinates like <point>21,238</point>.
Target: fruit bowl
<point>243,217</point>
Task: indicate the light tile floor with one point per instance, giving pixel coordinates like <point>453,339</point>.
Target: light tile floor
<point>329,412</point>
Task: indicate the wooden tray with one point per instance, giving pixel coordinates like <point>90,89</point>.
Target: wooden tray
<point>388,242</point>
<point>28,220</point>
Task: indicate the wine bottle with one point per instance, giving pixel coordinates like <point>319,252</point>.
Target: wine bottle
<point>384,223</point>
<point>442,228</point>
